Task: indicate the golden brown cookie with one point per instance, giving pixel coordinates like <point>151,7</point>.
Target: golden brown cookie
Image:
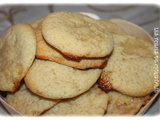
<point>92,103</point>
<point>130,67</point>
<point>77,35</point>
<point>56,81</point>
<point>28,103</point>
<point>17,52</point>
<point>47,52</point>
<point>120,104</point>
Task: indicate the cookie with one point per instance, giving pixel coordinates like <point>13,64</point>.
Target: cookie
<point>47,52</point>
<point>92,103</point>
<point>17,52</point>
<point>77,35</point>
<point>35,24</point>
<point>56,81</point>
<point>112,27</point>
<point>120,104</point>
<point>130,68</point>
<point>27,103</point>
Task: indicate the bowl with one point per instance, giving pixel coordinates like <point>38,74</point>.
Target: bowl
<point>129,28</point>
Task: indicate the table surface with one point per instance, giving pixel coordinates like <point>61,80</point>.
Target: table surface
<point>146,16</point>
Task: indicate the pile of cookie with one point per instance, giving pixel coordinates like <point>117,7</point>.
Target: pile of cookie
<point>70,64</point>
